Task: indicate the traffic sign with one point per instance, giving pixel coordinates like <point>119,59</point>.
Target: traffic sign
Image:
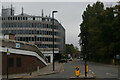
<point>77,71</point>
<point>77,68</point>
<point>17,45</point>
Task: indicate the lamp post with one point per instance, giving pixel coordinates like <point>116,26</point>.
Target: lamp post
<point>53,37</point>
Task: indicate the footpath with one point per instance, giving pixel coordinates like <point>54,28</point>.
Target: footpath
<point>47,70</point>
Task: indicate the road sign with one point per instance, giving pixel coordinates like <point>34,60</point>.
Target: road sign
<point>77,71</point>
<point>17,45</point>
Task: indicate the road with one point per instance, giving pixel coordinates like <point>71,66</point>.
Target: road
<point>68,70</point>
<point>103,70</point>
<point>99,70</point>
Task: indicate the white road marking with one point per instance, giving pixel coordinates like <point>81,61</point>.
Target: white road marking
<point>108,73</point>
<point>90,70</point>
<point>93,73</point>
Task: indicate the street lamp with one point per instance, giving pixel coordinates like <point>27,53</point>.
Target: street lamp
<point>53,37</point>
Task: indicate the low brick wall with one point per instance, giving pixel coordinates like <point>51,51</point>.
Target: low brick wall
<point>28,64</point>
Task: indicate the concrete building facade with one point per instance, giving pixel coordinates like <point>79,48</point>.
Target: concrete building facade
<point>36,30</point>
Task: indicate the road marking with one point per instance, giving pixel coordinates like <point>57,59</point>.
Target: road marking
<point>62,70</point>
<point>108,73</point>
<point>90,70</point>
<point>72,77</point>
<point>93,73</point>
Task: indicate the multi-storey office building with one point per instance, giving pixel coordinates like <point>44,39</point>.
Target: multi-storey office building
<point>36,30</point>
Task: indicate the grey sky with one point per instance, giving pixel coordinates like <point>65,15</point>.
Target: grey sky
<point>69,14</point>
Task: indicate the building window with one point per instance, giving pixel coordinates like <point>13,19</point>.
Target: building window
<point>18,18</point>
<point>26,18</point>
<point>18,62</point>
<point>10,62</point>
<point>33,18</point>
<point>8,18</point>
<point>15,18</point>
<point>23,18</point>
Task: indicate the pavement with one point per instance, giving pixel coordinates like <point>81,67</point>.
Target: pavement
<point>62,70</point>
<point>47,70</point>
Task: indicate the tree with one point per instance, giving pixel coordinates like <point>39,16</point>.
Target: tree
<point>70,49</point>
<point>100,32</point>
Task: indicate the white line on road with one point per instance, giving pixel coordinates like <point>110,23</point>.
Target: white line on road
<point>90,70</point>
<point>93,73</point>
<point>108,73</point>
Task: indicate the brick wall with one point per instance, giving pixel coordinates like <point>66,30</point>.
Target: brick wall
<point>28,64</point>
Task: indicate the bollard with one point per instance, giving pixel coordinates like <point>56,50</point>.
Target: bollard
<point>77,71</point>
<point>86,68</point>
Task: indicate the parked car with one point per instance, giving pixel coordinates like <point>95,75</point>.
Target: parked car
<point>62,61</point>
<point>70,59</point>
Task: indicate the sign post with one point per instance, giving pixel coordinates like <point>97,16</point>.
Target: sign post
<point>8,53</point>
<point>77,71</point>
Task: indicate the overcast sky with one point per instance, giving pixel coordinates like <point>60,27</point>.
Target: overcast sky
<point>69,13</point>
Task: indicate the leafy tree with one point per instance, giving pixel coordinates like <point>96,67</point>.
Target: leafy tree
<point>70,49</point>
<point>100,30</point>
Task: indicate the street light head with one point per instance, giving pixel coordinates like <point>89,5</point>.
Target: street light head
<point>54,11</point>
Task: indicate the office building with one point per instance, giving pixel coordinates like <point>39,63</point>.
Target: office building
<point>35,30</point>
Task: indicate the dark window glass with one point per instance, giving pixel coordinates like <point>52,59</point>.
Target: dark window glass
<point>18,18</point>
<point>18,62</point>
<point>15,18</point>
<point>43,19</point>
<point>23,18</point>
<point>26,18</point>
<point>33,18</point>
<point>10,62</point>
<point>8,18</point>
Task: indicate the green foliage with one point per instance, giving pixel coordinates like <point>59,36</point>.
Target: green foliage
<point>70,49</point>
<point>101,27</point>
